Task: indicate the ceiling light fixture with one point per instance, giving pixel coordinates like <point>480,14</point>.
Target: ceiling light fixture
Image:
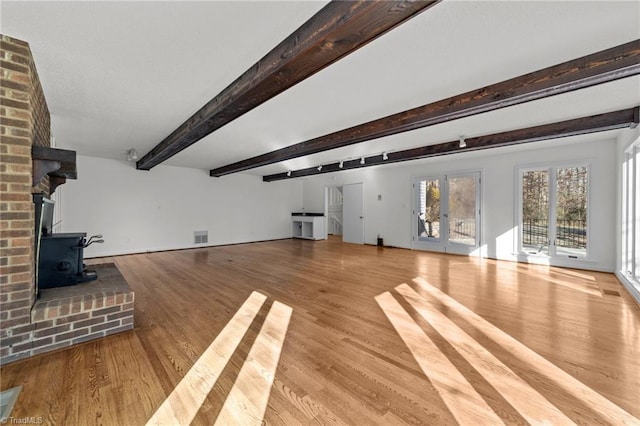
<point>289,173</point>
<point>341,165</point>
<point>462,144</point>
<point>385,157</point>
<point>361,160</point>
<point>132,155</point>
<point>320,167</point>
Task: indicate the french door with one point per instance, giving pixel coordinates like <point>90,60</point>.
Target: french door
<point>446,213</point>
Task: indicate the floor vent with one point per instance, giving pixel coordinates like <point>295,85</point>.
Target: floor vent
<point>7,399</point>
<point>611,293</point>
<point>200,237</point>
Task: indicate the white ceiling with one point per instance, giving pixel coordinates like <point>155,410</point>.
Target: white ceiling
<point>120,75</point>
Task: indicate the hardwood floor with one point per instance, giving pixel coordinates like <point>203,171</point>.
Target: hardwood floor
<point>303,332</point>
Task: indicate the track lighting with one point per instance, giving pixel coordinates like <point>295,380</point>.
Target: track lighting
<point>320,167</point>
<point>462,144</point>
<point>385,157</point>
<point>341,165</point>
<point>361,160</point>
<point>289,173</point>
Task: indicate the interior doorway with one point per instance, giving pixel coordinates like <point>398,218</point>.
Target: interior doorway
<point>334,210</point>
<point>344,210</point>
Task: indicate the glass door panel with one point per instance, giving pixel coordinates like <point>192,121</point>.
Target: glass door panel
<point>462,192</point>
<point>429,210</point>
<point>535,212</point>
<point>571,212</point>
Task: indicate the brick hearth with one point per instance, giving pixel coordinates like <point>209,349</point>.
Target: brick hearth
<point>66,316</point>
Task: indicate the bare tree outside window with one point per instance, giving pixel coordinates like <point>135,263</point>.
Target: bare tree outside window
<point>432,208</point>
<point>462,210</point>
<point>535,211</point>
<point>571,210</point>
<point>447,211</point>
<point>570,221</point>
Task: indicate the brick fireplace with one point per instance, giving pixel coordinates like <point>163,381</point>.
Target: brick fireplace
<point>61,317</point>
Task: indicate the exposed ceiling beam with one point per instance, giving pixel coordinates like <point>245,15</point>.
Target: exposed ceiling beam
<point>601,67</point>
<point>627,118</point>
<point>341,27</point>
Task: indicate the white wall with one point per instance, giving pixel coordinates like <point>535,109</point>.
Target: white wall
<point>139,211</point>
<point>391,217</point>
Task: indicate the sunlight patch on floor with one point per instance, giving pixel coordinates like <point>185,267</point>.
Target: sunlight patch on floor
<point>590,289</point>
<point>464,402</point>
<point>564,381</point>
<point>185,400</point>
<point>247,400</point>
<point>575,274</point>
<point>529,403</point>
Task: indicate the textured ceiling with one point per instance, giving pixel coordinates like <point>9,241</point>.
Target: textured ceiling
<point>120,75</point>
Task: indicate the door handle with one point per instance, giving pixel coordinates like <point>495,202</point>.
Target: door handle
<point>361,217</point>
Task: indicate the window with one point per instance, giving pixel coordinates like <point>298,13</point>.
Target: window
<point>554,211</point>
<point>631,213</point>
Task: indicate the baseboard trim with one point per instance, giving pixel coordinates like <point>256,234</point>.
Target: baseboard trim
<point>116,254</point>
<point>629,287</point>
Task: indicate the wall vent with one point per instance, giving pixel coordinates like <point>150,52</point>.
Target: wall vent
<point>200,237</point>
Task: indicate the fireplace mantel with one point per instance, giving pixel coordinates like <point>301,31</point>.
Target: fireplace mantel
<point>59,164</point>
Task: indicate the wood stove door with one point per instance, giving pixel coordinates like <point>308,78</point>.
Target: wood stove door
<point>60,262</point>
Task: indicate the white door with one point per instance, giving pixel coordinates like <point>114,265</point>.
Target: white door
<point>446,214</point>
<point>352,214</point>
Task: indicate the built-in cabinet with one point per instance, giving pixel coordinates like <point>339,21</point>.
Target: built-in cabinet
<point>308,227</point>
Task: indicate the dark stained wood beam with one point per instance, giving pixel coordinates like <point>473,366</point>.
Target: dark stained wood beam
<point>628,118</point>
<point>601,67</point>
<point>341,27</point>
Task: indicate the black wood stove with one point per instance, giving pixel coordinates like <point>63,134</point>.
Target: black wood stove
<point>59,256</point>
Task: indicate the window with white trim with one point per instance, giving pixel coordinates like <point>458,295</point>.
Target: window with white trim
<point>553,211</point>
<point>631,213</point>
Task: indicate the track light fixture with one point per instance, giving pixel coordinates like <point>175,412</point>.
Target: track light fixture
<point>462,144</point>
<point>132,155</point>
<point>341,165</point>
<point>289,173</point>
<point>320,167</point>
<point>385,157</point>
<point>361,160</point>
